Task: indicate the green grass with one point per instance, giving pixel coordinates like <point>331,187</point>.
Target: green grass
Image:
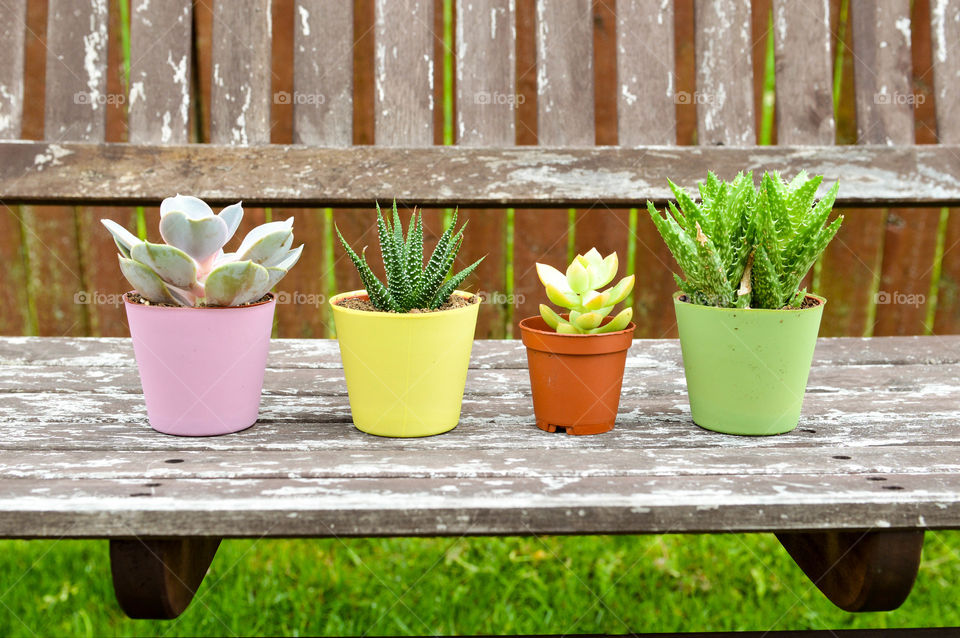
<point>465,586</point>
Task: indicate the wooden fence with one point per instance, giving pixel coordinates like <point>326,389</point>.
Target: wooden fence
<point>893,271</point>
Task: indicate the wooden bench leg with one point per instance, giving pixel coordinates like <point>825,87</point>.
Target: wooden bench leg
<point>157,577</point>
<point>858,571</point>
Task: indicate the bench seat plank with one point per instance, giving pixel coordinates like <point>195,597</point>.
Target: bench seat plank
<point>878,447</point>
<point>282,507</point>
<point>543,177</point>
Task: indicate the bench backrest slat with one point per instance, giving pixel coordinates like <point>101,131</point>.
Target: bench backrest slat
<point>486,72</point>
<point>160,68</point>
<point>804,75</point>
<point>323,73</point>
<point>945,27</point>
<point>646,75</point>
<point>76,77</point>
<point>565,73</point>
<point>882,71</point>
<point>240,91</point>
<point>724,73</point>
<point>13,27</point>
<point>403,73</point>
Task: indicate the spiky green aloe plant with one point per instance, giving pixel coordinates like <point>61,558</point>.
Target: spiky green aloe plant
<point>742,247</point>
<point>410,284</point>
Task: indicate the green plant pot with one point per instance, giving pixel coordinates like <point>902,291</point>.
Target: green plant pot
<point>747,369</point>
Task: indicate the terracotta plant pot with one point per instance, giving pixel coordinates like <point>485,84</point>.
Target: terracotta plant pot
<point>201,368</point>
<point>575,379</point>
<point>747,369</point>
<point>405,372</point>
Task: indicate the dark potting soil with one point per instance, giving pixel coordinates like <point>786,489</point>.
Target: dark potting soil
<point>808,302</point>
<point>455,301</point>
<point>135,297</point>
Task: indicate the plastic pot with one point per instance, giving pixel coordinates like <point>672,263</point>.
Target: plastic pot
<point>201,368</point>
<point>405,372</point>
<point>747,369</point>
<point>575,379</point>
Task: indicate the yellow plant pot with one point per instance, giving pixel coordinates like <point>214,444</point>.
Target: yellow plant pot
<point>405,372</point>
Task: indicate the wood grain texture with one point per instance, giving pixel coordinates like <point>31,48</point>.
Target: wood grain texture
<point>564,73</point>
<point>14,319</point>
<point>13,29</point>
<point>404,72</point>
<point>945,27</point>
<point>804,72</point>
<point>160,72</point>
<point>323,73</point>
<point>724,97</point>
<point>646,75</point>
<point>440,176</point>
<point>485,113</point>
<point>878,448</point>
<point>240,85</point>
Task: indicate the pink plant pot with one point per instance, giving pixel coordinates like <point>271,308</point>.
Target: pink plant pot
<point>201,368</point>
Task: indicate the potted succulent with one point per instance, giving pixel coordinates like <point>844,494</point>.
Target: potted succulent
<point>406,344</point>
<point>747,330</point>
<point>576,360</point>
<point>200,319</point>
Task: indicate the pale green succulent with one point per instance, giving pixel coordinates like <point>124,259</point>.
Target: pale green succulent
<point>191,269</point>
<point>577,291</point>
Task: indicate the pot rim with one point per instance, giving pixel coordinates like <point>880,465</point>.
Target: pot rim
<point>397,315</point>
<point>553,333</point>
<point>152,307</point>
<point>822,300</point>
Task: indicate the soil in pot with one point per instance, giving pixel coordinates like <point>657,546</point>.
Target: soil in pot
<point>575,379</point>
<point>747,369</point>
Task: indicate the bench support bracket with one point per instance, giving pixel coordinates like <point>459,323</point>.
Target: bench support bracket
<point>858,571</point>
<point>157,577</point>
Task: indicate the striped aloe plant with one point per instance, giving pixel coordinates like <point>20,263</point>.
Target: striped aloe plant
<point>411,284</point>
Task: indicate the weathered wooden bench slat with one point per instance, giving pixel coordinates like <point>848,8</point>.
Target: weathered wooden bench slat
<point>323,73</point>
<point>495,353</point>
<point>724,95</point>
<point>160,66</point>
<point>646,83</point>
<point>104,508</point>
<point>240,89</point>
<point>298,175</point>
<point>13,30</point>
<point>804,73</point>
<point>296,423</point>
<point>880,467</point>
<point>945,25</point>
<point>892,382</point>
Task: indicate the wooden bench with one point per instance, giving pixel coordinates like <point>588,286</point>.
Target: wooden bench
<point>873,464</point>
